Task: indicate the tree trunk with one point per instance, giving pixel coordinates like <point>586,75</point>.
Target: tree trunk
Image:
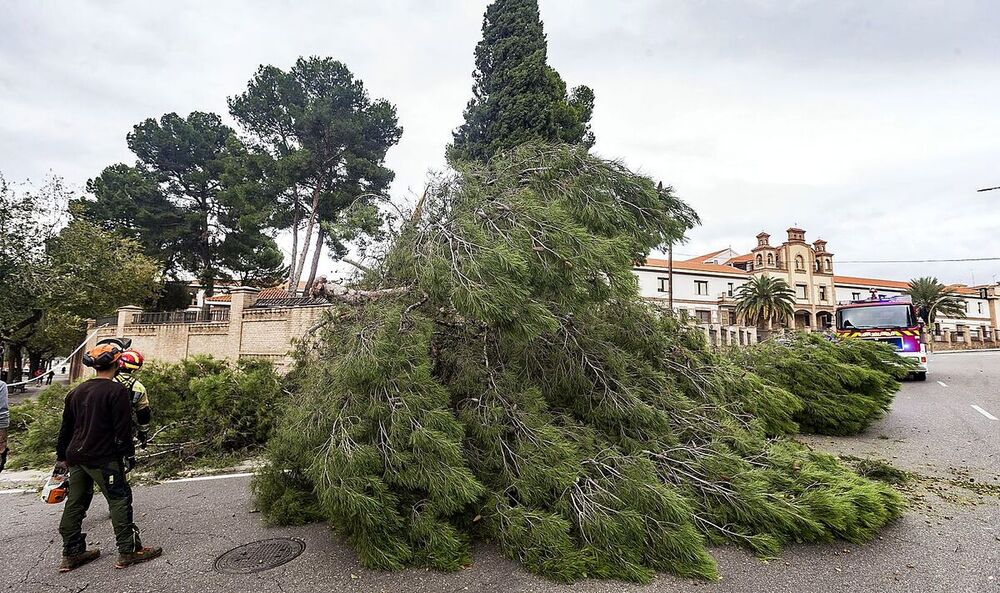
<point>13,362</point>
<point>208,274</point>
<point>295,239</point>
<point>316,255</point>
<point>9,351</point>
<point>34,362</point>
<point>300,267</point>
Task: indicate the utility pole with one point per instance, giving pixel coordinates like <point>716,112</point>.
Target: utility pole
<point>670,276</point>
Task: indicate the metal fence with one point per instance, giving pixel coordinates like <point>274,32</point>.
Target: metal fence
<point>299,301</point>
<point>167,317</point>
<point>112,321</point>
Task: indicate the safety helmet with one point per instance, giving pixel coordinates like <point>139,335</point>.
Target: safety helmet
<point>130,361</point>
<point>106,353</point>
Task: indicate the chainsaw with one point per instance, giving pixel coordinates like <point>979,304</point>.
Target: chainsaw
<point>55,488</point>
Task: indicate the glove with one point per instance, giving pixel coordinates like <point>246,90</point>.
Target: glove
<point>61,468</point>
<point>128,463</point>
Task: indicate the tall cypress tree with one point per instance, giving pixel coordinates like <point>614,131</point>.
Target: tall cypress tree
<point>517,96</point>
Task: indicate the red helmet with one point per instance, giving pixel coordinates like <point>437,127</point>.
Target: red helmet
<point>130,361</point>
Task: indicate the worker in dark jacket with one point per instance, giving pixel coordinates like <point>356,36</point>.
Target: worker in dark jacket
<point>95,446</point>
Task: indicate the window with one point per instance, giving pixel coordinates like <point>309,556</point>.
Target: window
<point>770,259</point>
<point>729,292</point>
<point>878,316</point>
<point>817,265</point>
<point>760,260</point>
<point>980,307</point>
<point>829,264</point>
<point>732,318</point>
<point>799,263</point>
<point>822,293</point>
<point>701,287</point>
<point>664,285</point>
<point>703,316</point>
<point>801,290</point>
<point>855,296</point>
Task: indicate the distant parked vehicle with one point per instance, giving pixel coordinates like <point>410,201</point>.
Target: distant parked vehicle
<point>892,320</point>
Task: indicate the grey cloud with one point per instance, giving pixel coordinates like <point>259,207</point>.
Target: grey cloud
<point>869,123</point>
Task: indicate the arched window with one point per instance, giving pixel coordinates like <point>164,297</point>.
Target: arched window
<point>799,263</point>
<point>760,260</point>
<point>770,259</point>
<point>817,265</point>
<point>829,264</point>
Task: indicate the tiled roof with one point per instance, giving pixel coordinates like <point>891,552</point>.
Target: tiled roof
<point>741,258</point>
<point>702,258</point>
<point>963,289</point>
<point>695,266</point>
<point>275,292</point>
<point>871,282</point>
<point>898,284</point>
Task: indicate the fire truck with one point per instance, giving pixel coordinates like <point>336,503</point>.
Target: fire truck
<point>892,320</point>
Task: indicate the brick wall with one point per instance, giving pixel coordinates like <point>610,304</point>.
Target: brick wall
<point>250,333</point>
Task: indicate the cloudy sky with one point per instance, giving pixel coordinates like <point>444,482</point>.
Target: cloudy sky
<point>869,124</point>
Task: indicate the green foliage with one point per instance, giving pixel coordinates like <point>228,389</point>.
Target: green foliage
<point>27,218</point>
<point>879,469</point>
<point>51,278</point>
<point>197,199</point>
<point>509,383</point>
<point>203,409</point>
<point>327,139</point>
<point>843,384</point>
<point>931,298</point>
<point>764,300</point>
<point>517,96</point>
<point>34,429</point>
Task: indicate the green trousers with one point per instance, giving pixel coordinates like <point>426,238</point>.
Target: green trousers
<point>110,479</point>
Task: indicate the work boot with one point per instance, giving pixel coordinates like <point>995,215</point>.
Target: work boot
<point>77,560</point>
<point>143,555</point>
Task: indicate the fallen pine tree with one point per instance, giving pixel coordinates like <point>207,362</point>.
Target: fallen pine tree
<point>843,384</point>
<point>503,380</point>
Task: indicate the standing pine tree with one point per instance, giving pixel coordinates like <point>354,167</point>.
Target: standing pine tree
<point>517,96</point>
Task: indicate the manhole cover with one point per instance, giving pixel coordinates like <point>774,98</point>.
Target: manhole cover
<point>259,556</point>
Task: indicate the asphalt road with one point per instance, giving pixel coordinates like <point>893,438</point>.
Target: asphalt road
<point>949,544</point>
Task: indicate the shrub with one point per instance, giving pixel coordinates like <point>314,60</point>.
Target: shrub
<point>203,410</point>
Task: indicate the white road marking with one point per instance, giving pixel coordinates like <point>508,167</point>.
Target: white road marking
<point>984,412</point>
<point>206,478</point>
<point>22,491</point>
<point>942,384</point>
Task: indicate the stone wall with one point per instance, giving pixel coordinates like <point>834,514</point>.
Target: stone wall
<point>729,335</point>
<point>250,333</point>
<point>270,333</point>
<point>965,339</point>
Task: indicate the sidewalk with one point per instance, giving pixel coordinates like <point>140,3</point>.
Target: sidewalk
<point>32,389</point>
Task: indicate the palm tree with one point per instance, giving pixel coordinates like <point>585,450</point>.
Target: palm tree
<point>764,300</point>
<point>930,297</point>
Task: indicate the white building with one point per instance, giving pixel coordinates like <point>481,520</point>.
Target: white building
<point>704,286</point>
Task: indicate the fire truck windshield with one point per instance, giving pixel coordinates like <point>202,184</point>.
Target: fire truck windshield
<point>876,316</point>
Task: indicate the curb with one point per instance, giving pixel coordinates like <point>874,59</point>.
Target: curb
<point>970,350</point>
